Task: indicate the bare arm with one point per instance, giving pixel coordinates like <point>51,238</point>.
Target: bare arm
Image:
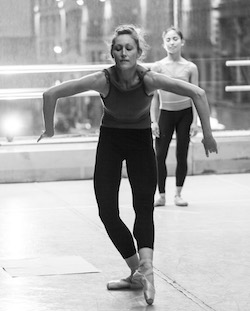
<point>96,82</point>
<point>159,81</point>
<point>154,112</point>
<point>194,79</point>
<point>198,95</point>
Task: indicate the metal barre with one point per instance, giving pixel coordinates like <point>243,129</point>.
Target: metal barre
<point>33,93</point>
<point>20,69</point>
<point>237,88</point>
<point>230,63</point>
<point>36,93</point>
<point>5,70</point>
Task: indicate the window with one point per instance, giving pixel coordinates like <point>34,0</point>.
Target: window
<point>39,32</point>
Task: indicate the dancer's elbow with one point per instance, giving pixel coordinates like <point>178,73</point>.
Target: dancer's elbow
<point>200,94</point>
<point>49,95</point>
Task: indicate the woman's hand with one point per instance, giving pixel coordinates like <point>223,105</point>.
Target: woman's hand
<point>155,129</point>
<point>46,134</point>
<point>194,129</point>
<point>210,145</point>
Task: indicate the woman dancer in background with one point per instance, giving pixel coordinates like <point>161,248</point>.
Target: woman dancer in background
<point>173,113</point>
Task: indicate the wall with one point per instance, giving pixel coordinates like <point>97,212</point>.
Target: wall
<point>74,159</point>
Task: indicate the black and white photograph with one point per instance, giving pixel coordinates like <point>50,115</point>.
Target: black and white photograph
<point>124,155</point>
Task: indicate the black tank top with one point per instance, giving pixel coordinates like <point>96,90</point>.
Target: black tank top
<point>129,109</point>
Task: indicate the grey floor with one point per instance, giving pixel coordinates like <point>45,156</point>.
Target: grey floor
<point>202,252</point>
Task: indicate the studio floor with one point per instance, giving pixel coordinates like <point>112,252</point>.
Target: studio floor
<point>201,259</point>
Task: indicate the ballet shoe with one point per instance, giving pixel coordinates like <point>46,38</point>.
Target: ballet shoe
<point>148,287</point>
<point>178,201</point>
<point>160,202</point>
<point>128,283</point>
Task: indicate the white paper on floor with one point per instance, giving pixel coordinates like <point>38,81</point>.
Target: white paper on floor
<point>48,265</point>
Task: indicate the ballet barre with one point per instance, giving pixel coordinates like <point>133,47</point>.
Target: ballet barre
<point>237,88</point>
<point>32,93</point>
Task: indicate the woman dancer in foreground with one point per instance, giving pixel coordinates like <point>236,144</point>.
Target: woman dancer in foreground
<point>126,90</point>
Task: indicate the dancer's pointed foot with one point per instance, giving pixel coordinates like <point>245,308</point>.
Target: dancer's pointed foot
<point>146,278</point>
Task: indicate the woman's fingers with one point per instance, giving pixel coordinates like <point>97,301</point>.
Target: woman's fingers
<point>210,145</point>
<point>155,130</point>
<point>44,135</point>
<point>41,137</point>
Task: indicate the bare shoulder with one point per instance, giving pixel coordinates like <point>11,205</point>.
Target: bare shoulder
<point>193,72</point>
<point>187,62</point>
<point>192,66</point>
<point>96,81</point>
<point>102,83</point>
<point>157,66</point>
<point>96,78</point>
<point>151,81</point>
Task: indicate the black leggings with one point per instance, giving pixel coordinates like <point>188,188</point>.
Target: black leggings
<point>136,147</point>
<point>170,121</point>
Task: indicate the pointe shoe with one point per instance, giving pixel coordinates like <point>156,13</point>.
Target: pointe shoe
<point>160,202</point>
<point>128,283</point>
<point>148,287</point>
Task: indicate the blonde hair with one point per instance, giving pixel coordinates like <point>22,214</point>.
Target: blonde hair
<point>136,33</point>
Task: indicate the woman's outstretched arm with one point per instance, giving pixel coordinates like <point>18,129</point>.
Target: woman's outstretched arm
<point>198,95</point>
<point>96,82</point>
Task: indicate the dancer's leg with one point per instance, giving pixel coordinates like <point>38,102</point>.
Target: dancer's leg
<point>183,139</point>
<point>142,175</point>
<point>107,177</point>
<point>166,126</point>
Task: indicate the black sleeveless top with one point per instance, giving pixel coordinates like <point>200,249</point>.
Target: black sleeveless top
<point>129,109</point>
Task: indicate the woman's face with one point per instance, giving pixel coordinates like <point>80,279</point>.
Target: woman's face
<point>125,51</point>
<point>172,42</point>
